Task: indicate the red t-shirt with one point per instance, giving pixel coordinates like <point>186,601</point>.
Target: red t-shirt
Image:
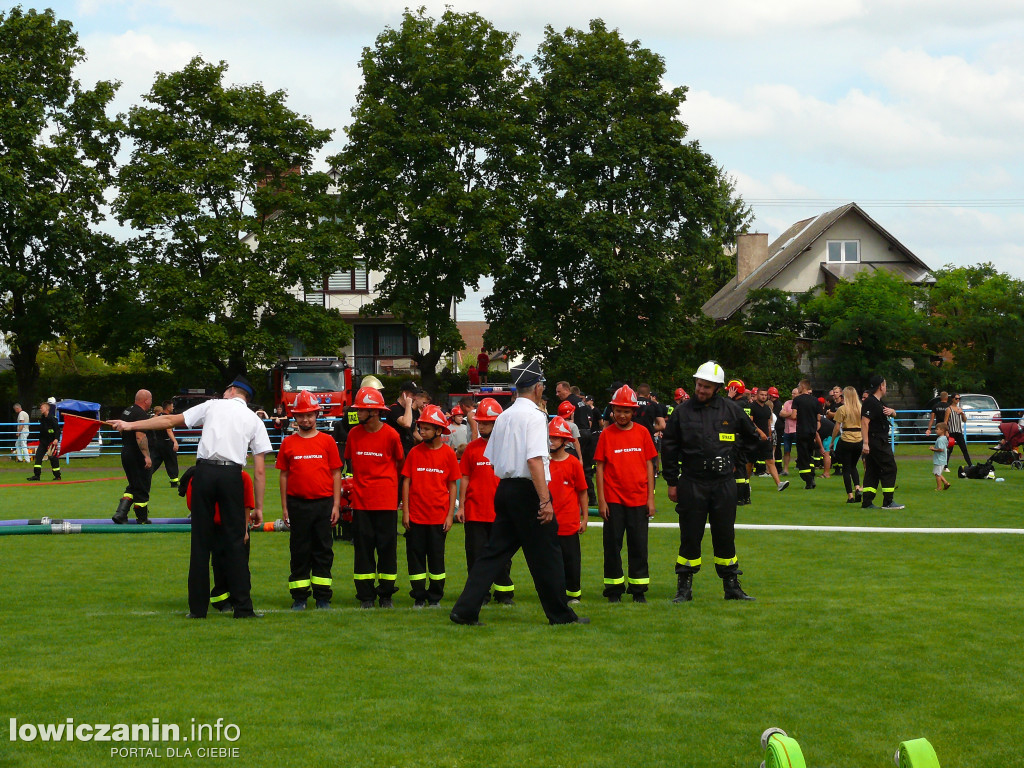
<point>625,453</point>
<point>481,481</point>
<point>310,463</point>
<point>248,497</point>
<point>482,361</point>
<point>375,457</point>
<point>429,472</point>
<point>567,481</point>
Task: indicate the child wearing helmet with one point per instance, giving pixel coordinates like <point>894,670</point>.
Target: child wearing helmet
<point>625,497</point>
<point>476,500</point>
<point>568,488</point>
<point>310,503</point>
<point>374,452</point>
<point>428,506</point>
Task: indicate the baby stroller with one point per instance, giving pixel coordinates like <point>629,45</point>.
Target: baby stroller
<point>1007,451</point>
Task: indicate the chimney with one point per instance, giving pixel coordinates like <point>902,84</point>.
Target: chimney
<point>751,253</point>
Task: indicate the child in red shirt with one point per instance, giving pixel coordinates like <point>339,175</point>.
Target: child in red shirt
<point>374,452</point>
<point>568,488</point>
<point>428,507</point>
<point>476,500</point>
<point>310,504</point>
<point>625,497</point>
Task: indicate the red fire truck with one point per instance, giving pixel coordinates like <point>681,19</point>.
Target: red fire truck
<point>328,379</point>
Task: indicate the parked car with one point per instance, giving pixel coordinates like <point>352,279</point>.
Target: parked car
<point>982,416</point>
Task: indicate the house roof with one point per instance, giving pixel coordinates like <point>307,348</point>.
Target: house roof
<point>793,242</point>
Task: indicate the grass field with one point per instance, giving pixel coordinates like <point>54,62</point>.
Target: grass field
<point>856,642</point>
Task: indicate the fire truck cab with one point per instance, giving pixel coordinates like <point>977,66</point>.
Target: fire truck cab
<point>328,379</point>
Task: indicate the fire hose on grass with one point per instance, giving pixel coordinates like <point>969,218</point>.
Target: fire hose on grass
<point>159,525</point>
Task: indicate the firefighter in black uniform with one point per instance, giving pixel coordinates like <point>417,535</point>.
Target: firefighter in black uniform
<point>879,461</point>
<point>47,432</point>
<point>137,463</point>
<point>736,391</point>
<point>163,449</point>
<point>702,441</point>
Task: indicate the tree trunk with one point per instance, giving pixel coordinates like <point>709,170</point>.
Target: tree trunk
<point>26,371</point>
<point>427,361</point>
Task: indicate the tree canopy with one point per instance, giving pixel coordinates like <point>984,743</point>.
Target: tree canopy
<point>57,150</point>
<point>626,226</point>
<point>230,220</point>
<point>873,324</point>
<point>434,166</point>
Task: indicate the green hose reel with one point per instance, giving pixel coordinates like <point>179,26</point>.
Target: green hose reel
<point>781,751</point>
<point>916,753</point>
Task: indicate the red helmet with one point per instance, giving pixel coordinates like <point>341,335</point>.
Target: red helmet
<point>566,409</point>
<point>754,391</point>
<point>736,384</point>
<point>624,397</point>
<point>680,394</point>
<point>457,411</point>
<point>369,399</point>
<point>488,410</point>
<point>305,403</point>
<point>821,401</point>
<point>558,427</point>
<point>434,416</point>
<point>773,392</point>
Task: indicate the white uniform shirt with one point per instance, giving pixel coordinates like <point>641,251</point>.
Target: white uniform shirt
<point>520,433</point>
<point>230,429</point>
<point>23,423</point>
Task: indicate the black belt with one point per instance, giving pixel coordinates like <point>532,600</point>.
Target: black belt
<point>219,463</point>
<point>516,480</point>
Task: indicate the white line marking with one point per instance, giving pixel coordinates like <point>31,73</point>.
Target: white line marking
<point>847,528</point>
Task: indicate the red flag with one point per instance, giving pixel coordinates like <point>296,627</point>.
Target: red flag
<point>77,434</point>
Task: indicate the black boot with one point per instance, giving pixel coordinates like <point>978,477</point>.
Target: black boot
<point>121,515</point>
<point>684,590</point>
<point>733,590</point>
<point>142,514</point>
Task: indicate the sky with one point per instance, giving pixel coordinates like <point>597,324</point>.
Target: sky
<point>914,109</point>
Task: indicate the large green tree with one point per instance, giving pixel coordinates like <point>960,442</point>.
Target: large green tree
<point>433,170</point>
<point>977,314</point>
<point>230,220</point>
<point>626,227</point>
<point>873,324</point>
<point>57,148</point>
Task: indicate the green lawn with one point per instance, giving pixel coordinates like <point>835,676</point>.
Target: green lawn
<point>856,642</point>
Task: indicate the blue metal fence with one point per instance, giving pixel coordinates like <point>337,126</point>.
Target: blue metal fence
<point>908,428</point>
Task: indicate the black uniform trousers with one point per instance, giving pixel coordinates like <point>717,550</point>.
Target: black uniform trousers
<point>220,486</point>
<point>375,565</point>
<point>424,554</point>
<point>140,480</point>
<point>762,456</point>
<point>516,527</point>
<point>957,439</point>
<point>220,592</point>
<point>37,465</point>
<point>572,563</point>
<point>698,503</point>
<point>311,546</point>
<point>477,535</point>
<point>632,521</point>
<point>742,479</point>
<point>163,452</point>
<point>879,472</point>
<point>805,457</point>
<point>848,454</point>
